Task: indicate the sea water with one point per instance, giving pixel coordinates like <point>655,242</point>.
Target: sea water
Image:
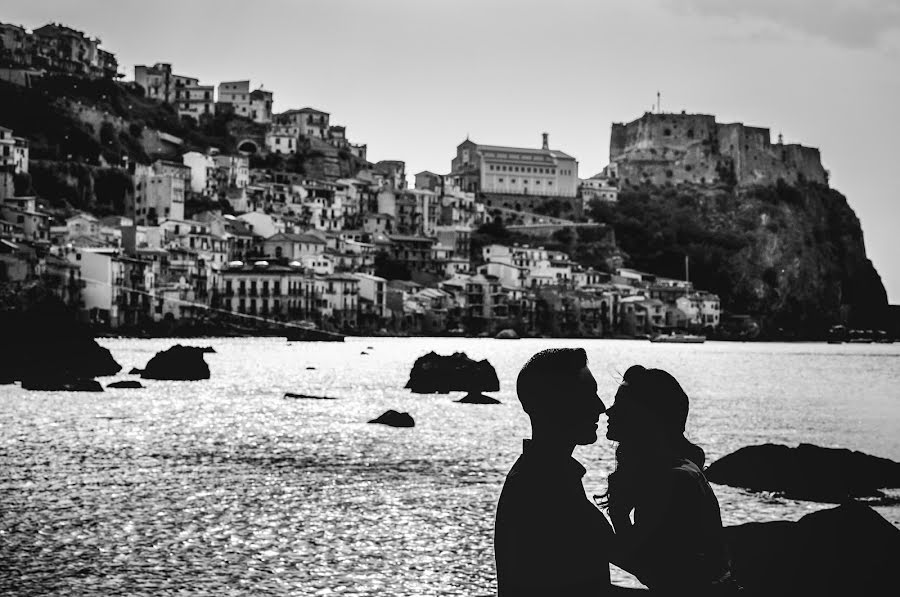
<point>224,487</point>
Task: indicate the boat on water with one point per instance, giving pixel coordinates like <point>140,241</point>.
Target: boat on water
<point>678,338</point>
<point>308,332</point>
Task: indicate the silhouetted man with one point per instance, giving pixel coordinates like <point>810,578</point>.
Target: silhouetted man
<point>548,538</point>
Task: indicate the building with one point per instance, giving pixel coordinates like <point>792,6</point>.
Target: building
<point>292,246</point>
<point>283,139</point>
<point>57,48</point>
<point>25,219</point>
<point>159,191</point>
<point>703,309</point>
<point>261,106</point>
<point>195,101</point>
<point>116,288</point>
<point>311,122</point>
<point>429,181</point>
<point>15,46</point>
<point>255,105</point>
<point>203,172</point>
<point>161,84</point>
<point>13,151</point>
<point>232,171</point>
<point>599,187</point>
<point>372,297</point>
<point>661,148</point>
<point>515,170</point>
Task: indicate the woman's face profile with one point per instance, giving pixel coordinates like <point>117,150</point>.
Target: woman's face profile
<point>625,417</point>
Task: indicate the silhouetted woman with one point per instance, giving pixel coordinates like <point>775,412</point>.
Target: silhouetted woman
<point>666,516</point>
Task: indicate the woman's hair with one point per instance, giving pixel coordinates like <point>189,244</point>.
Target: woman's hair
<point>661,394</point>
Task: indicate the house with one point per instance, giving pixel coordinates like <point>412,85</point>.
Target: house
<point>115,287</point>
<point>160,83</point>
<point>83,224</point>
<point>195,101</point>
<point>203,172</point>
<point>311,122</point>
<point>372,296</point>
<point>702,309</point>
<point>13,151</point>
<point>282,139</point>
<point>292,246</point>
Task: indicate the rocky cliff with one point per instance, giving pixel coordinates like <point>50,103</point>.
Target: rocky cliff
<point>792,256</point>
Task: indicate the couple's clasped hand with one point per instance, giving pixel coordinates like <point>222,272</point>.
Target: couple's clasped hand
<point>666,527</point>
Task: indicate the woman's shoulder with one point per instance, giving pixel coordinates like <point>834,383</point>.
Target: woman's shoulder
<point>685,473</point>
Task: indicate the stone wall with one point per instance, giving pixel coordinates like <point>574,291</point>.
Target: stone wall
<point>694,148</point>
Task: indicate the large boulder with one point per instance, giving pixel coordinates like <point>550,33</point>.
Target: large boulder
<point>392,418</point>
<point>806,472</point>
<point>183,363</point>
<point>847,550</point>
<point>434,373</point>
<point>43,337</point>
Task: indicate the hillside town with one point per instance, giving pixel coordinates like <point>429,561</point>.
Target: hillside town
<point>365,253</point>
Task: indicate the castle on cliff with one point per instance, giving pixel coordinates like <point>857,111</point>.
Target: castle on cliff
<point>662,148</point>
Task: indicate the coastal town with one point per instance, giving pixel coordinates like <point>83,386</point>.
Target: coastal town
<point>245,241</point>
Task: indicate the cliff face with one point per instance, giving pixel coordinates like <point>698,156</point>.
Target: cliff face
<point>791,256</point>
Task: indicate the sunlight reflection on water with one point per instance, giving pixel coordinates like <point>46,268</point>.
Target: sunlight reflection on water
<point>223,486</point>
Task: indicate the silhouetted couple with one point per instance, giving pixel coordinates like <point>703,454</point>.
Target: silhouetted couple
<point>551,540</point>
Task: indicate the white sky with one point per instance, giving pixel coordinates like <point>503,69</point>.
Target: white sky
<point>411,78</point>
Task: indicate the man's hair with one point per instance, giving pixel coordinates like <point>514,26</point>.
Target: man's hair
<point>546,374</point>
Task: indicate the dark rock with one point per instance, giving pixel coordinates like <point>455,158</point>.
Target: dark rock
<point>57,383</point>
<point>392,418</point>
<point>135,371</point>
<point>806,472</point>
<point>847,550</point>
<point>364,352</point>
<point>44,336</point>
<point>310,368</point>
<point>477,398</point>
<point>183,363</point>
<point>434,373</point>
<point>207,349</point>
<point>307,396</point>
<point>131,384</point>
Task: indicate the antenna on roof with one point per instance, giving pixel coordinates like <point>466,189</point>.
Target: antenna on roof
<point>780,138</point>
<point>658,102</point>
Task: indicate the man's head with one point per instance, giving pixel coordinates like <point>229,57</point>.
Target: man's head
<point>558,392</point>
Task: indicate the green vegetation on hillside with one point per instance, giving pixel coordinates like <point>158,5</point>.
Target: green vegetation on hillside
<point>792,256</point>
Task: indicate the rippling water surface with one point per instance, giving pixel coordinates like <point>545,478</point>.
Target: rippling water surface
<point>223,487</point>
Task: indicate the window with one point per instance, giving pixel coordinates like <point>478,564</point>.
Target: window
<point>499,180</point>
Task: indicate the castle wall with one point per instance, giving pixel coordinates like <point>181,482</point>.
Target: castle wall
<point>694,148</point>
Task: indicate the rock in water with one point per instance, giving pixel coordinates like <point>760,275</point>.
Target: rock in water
<point>392,418</point>
<point>208,349</point>
<point>434,373</point>
<point>130,384</point>
<point>847,550</point>
<point>44,337</point>
<point>477,398</point>
<point>56,383</point>
<point>135,371</point>
<point>806,472</point>
<point>183,363</point>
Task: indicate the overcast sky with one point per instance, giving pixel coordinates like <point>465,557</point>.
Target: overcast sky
<point>412,78</point>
